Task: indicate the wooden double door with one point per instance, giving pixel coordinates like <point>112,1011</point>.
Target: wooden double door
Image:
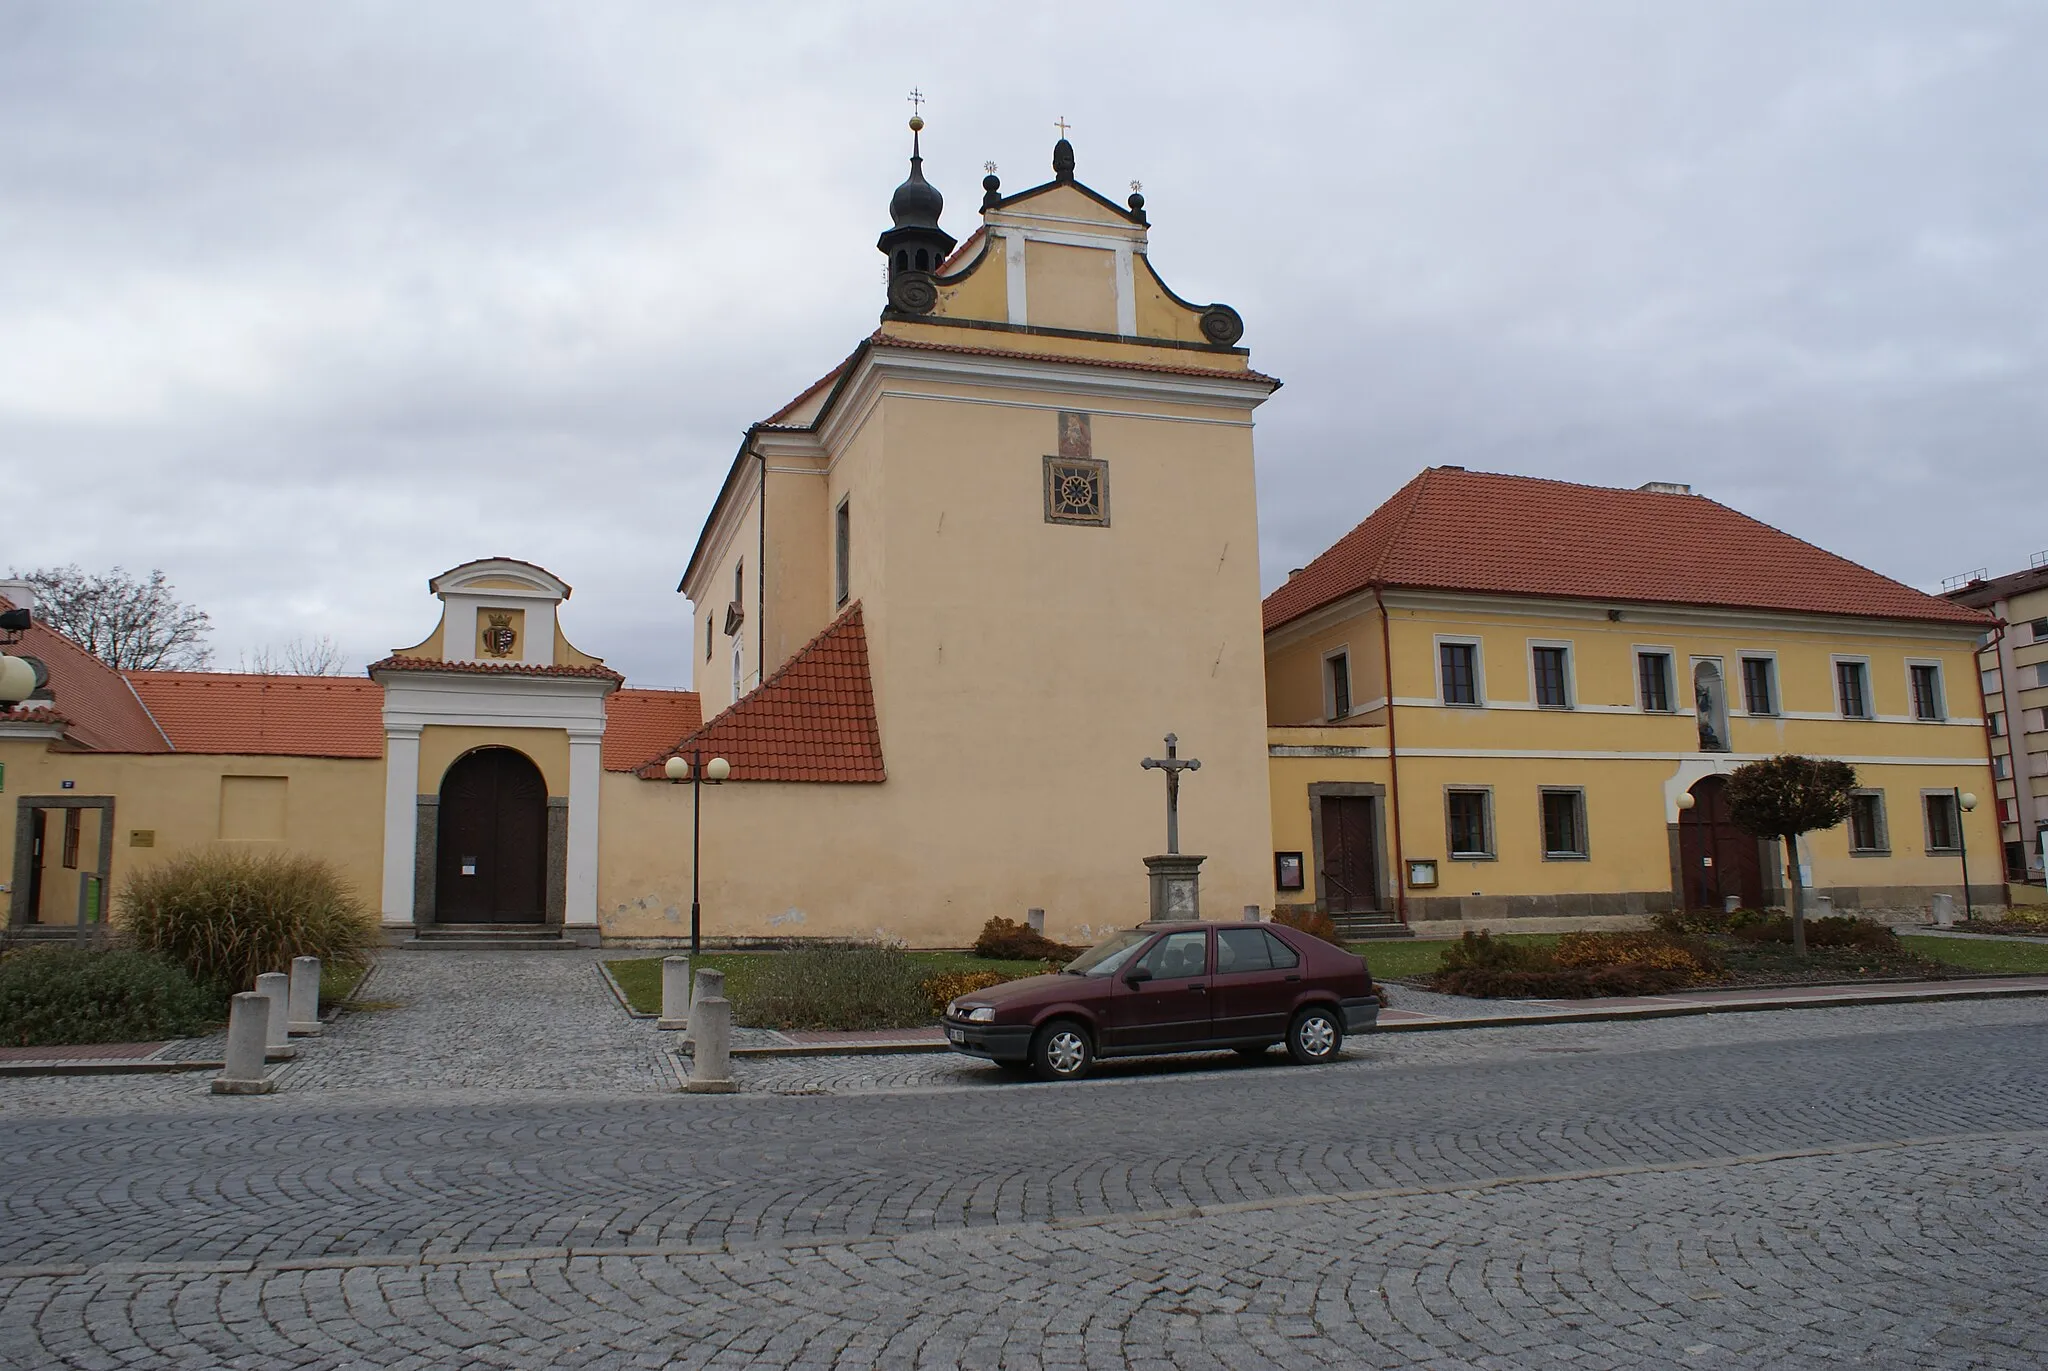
<point>1716,859</point>
<point>1351,861</point>
<point>491,863</point>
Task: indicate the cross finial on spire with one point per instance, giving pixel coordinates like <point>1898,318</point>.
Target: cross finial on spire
<point>1062,125</point>
<point>916,100</point>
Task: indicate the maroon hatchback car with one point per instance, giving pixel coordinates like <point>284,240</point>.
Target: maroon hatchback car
<point>1172,987</point>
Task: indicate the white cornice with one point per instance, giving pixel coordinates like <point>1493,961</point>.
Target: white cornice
<point>725,523</point>
<point>413,700</point>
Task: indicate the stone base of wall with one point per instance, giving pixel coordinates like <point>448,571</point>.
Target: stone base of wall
<point>1456,928</point>
<point>1474,909</point>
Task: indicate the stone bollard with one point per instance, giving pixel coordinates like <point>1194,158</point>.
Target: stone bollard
<point>305,998</point>
<point>1036,918</point>
<point>711,1036</point>
<point>275,986</point>
<point>1251,914</point>
<point>675,993</point>
<point>248,1026</point>
<point>1944,910</point>
<point>706,983</point>
<point>1731,903</point>
<point>1823,906</point>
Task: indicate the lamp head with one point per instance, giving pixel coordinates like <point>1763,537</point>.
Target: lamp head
<point>717,769</point>
<point>1969,802</point>
<point>676,768</point>
<point>1686,801</point>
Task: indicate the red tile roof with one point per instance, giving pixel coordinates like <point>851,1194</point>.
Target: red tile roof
<point>595,673</point>
<point>1457,530</point>
<point>265,716</point>
<point>813,720</point>
<point>103,713</point>
<point>639,724</point>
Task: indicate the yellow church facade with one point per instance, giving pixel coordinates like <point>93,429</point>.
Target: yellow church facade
<point>951,596</point>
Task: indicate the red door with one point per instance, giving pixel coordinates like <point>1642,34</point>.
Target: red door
<point>1257,977</point>
<point>1351,882</point>
<point>1716,859</point>
<point>1162,999</point>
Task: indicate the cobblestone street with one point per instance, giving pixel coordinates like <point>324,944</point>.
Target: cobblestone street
<point>512,1181</point>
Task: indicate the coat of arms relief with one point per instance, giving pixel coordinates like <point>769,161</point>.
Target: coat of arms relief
<point>500,637</point>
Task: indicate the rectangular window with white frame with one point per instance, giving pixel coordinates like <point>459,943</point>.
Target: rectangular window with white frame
<point>1852,688</point>
<point>1867,835</point>
<point>1564,824</point>
<point>1923,688</point>
<point>2001,766</point>
<point>1653,680</point>
<point>1944,821</point>
<point>1760,683</point>
<point>1468,823</point>
<point>1459,672</point>
<point>1997,722</point>
<point>1337,684</point>
<point>1550,675</point>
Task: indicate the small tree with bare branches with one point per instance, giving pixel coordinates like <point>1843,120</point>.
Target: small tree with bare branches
<point>1784,797</point>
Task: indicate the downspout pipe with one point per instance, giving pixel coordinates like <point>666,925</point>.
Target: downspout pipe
<point>761,576</point>
<point>1393,760</point>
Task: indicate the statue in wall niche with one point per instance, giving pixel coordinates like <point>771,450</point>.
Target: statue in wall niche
<point>1710,741</point>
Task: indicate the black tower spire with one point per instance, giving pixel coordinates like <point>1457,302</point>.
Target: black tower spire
<point>915,245</point>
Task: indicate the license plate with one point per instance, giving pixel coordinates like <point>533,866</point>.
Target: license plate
<point>955,1035</point>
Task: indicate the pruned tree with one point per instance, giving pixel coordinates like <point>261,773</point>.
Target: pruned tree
<point>1785,797</point>
<point>320,656</point>
<point>132,623</point>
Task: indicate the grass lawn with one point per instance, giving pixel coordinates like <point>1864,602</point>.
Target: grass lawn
<point>1412,959</point>
<point>640,977</point>
<point>339,982</point>
<point>1981,955</point>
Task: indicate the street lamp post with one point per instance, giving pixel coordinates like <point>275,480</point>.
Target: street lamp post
<point>1965,802</point>
<point>698,773</point>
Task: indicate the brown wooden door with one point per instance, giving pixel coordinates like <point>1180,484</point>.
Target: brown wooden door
<point>491,866</point>
<point>1716,858</point>
<point>1351,882</point>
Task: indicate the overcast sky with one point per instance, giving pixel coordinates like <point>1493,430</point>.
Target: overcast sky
<point>306,303</point>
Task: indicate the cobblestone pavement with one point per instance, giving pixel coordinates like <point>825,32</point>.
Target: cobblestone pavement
<point>1855,1187</point>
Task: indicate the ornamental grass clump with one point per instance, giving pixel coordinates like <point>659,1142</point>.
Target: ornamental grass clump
<point>60,995</point>
<point>1009,941</point>
<point>227,916</point>
<point>943,989</point>
<point>854,988</point>
<point>1313,922</point>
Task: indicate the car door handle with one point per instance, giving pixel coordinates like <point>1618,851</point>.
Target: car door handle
<point>1294,978</point>
<point>1198,987</point>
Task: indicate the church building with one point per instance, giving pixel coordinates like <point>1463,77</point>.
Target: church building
<point>956,599</point>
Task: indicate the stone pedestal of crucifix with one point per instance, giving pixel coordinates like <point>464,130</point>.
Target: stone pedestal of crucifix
<point>1176,878</point>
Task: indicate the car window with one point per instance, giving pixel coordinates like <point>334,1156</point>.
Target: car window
<point>1284,957</point>
<point>1106,956</point>
<point>1178,955</point>
<point>1242,949</point>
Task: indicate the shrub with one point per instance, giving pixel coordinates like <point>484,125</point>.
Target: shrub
<point>1008,940</point>
<point>228,916</point>
<point>1483,952</point>
<point>943,989</point>
<point>847,988</point>
<point>1660,950</point>
<point>1313,922</point>
<point>53,995</point>
<point>1837,930</point>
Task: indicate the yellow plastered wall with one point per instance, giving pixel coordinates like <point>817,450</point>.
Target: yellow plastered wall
<point>1297,687</point>
<point>330,807</point>
<point>1070,287</point>
<point>442,744</point>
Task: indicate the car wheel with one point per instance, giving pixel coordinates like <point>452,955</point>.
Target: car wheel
<point>1061,1052</point>
<point>1314,1037</point>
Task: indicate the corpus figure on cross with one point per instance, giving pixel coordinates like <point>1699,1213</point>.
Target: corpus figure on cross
<point>1173,764</point>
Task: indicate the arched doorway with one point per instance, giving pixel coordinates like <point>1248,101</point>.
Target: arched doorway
<point>1716,859</point>
<point>491,863</point>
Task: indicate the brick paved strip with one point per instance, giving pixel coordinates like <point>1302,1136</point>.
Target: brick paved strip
<point>1463,1186</point>
<point>81,1051</point>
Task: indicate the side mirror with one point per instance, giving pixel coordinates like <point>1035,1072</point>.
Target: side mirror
<point>1137,976</point>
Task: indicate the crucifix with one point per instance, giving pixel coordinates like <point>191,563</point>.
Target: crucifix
<point>1062,125</point>
<point>1172,765</point>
